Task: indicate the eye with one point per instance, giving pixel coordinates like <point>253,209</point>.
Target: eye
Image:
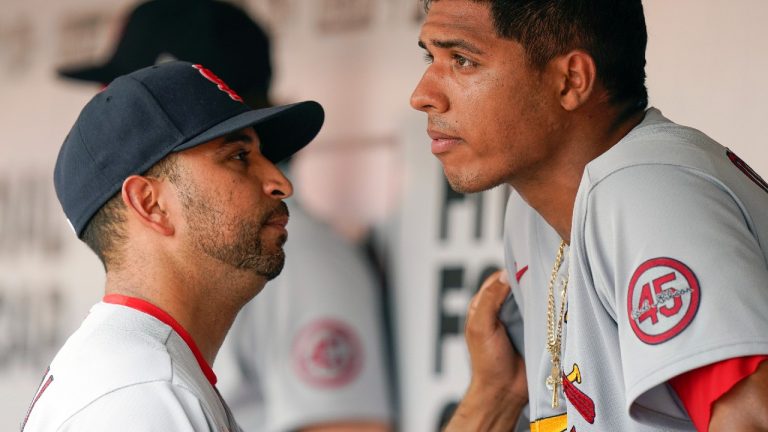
<point>241,155</point>
<point>463,62</point>
<point>428,58</point>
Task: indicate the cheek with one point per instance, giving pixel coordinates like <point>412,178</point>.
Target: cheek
<point>491,108</point>
<point>480,94</point>
<point>234,192</point>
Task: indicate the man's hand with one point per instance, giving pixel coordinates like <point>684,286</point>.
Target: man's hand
<point>498,390</point>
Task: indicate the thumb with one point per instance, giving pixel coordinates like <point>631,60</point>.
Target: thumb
<point>485,305</point>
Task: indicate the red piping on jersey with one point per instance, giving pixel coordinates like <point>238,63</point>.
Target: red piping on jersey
<point>150,309</point>
<point>37,396</point>
<point>520,273</point>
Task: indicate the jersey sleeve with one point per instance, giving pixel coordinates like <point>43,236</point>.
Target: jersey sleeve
<point>700,388</point>
<point>149,407</point>
<point>676,264</point>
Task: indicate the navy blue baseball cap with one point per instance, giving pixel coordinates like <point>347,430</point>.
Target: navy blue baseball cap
<point>143,116</point>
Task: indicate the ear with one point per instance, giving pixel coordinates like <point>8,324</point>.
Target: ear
<point>577,74</point>
<point>143,198</point>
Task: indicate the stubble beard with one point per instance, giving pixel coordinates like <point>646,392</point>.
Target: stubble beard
<point>462,182</point>
<point>471,180</point>
<point>210,229</point>
<point>465,181</point>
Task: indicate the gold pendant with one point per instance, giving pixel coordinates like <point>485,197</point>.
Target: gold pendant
<point>553,383</point>
<point>555,398</point>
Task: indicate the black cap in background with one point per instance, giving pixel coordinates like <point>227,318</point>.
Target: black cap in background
<point>219,35</point>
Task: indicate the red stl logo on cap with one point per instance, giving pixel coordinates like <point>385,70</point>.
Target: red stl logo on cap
<point>210,76</point>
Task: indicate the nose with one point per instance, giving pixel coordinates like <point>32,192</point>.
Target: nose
<point>274,182</point>
<point>428,95</point>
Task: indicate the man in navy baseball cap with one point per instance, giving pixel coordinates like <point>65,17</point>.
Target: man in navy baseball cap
<point>172,181</point>
<point>145,115</point>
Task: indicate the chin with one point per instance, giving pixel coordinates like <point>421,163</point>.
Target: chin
<point>467,182</point>
<point>273,269</point>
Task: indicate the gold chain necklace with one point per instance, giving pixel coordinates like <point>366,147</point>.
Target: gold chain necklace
<point>555,331</point>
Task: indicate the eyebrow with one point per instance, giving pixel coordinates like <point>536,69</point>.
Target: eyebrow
<point>452,43</point>
<point>235,137</point>
<point>232,139</point>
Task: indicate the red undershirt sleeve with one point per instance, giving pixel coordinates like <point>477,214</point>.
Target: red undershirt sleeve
<point>700,388</point>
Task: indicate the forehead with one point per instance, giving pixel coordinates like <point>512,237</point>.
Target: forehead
<point>245,136</point>
<point>458,18</point>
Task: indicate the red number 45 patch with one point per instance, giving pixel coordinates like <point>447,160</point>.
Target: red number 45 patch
<point>662,300</point>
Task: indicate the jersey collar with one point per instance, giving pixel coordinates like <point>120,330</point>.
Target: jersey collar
<point>150,309</point>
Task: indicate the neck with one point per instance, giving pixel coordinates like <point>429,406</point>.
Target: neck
<point>205,306</point>
<point>551,190</point>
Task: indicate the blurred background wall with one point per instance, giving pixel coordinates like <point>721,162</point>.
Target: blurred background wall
<point>369,173</point>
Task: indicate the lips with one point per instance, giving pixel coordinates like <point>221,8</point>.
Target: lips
<point>279,221</point>
<point>279,217</point>
<point>441,142</point>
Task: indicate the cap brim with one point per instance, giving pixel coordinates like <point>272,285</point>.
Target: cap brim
<point>282,130</point>
<point>101,73</point>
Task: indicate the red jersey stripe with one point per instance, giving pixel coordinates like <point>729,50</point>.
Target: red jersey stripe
<point>150,309</point>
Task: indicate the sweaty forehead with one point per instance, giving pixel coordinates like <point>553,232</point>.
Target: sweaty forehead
<point>457,18</point>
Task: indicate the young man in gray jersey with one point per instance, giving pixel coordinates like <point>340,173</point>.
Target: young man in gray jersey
<point>652,313</point>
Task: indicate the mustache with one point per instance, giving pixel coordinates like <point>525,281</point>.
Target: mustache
<point>441,124</point>
<point>280,210</point>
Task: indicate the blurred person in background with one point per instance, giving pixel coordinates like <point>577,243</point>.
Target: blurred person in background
<point>308,353</point>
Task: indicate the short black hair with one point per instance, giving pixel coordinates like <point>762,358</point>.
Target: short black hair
<point>104,234</point>
<point>613,32</point>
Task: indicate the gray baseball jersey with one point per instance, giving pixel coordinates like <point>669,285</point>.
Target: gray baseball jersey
<point>309,348</point>
<point>667,273</point>
<point>126,370</point>
<point>530,247</point>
